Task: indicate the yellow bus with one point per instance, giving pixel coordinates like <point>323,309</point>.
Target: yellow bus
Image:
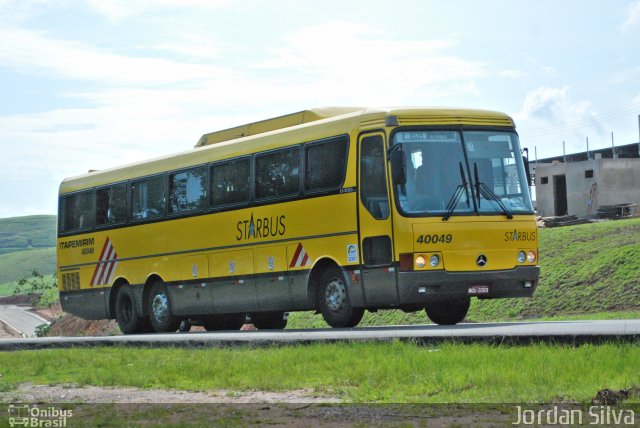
<point>333,210</point>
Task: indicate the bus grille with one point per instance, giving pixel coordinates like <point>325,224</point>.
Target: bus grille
<point>71,281</point>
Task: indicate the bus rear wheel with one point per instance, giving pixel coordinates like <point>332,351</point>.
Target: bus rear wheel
<point>159,307</point>
<point>128,318</point>
<point>447,311</point>
<point>333,300</point>
<point>269,320</point>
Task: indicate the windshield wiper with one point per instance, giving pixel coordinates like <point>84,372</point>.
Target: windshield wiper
<point>484,190</point>
<point>455,198</point>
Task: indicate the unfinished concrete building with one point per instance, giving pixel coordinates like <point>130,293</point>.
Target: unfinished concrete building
<point>601,183</point>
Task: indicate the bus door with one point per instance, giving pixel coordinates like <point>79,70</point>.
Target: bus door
<point>374,216</point>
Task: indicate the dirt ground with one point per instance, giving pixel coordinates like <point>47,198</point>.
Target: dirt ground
<point>253,408</point>
<point>29,393</point>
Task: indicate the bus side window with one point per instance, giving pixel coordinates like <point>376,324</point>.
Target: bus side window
<point>77,211</point>
<point>147,198</point>
<point>325,164</point>
<point>373,183</point>
<point>111,205</point>
<point>230,182</point>
<point>187,190</point>
<point>278,173</point>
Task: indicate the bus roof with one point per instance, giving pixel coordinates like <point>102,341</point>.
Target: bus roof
<point>441,115</point>
<point>273,124</point>
<point>307,125</point>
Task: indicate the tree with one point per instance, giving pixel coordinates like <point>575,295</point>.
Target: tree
<point>45,292</point>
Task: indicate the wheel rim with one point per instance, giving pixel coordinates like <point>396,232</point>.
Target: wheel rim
<point>160,307</point>
<point>335,295</point>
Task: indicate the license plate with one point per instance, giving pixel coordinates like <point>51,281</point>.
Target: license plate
<point>478,290</point>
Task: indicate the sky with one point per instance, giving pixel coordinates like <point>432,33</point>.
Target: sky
<point>99,83</point>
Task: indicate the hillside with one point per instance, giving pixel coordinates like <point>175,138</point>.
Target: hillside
<point>20,264</point>
<point>26,244</point>
<point>585,269</point>
<point>23,233</point>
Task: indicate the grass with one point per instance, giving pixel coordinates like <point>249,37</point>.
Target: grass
<point>22,232</point>
<point>20,264</point>
<point>394,372</point>
<point>26,243</point>
<point>7,289</point>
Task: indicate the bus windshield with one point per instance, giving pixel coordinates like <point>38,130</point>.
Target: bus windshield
<point>452,172</point>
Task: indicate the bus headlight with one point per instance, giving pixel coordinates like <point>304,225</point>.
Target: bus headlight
<point>434,260</point>
<point>420,262</point>
<point>522,257</point>
<point>531,256</point>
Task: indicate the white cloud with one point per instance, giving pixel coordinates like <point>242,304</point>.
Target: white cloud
<point>118,10</point>
<point>144,107</point>
<point>633,16</point>
<point>196,46</point>
<point>370,64</point>
<point>550,105</point>
<point>549,116</point>
<point>33,51</point>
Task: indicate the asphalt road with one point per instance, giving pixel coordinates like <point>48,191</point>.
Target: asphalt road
<point>522,332</point>
<point>21,320</point>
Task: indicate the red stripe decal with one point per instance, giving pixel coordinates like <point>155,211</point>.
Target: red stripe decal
<point>95,272</point>
<point>295,256</point>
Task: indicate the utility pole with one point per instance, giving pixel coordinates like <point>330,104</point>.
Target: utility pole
<point>588,156</point>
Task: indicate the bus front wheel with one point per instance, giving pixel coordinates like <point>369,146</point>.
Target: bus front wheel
<point>160,312</point>
<point>333,300</point>
<point>128,318</point>
<point>447,311</point>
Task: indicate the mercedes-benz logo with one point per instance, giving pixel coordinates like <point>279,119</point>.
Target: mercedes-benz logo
<point>481,260</point>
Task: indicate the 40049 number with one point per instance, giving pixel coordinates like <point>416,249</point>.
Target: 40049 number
<point>435,239</point>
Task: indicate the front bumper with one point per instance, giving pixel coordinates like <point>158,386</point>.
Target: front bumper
<point>418,287</point>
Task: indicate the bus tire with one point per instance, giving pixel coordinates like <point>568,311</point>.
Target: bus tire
<point>333,300</point>
<point>224,322</point>
<point>159,308</point>
<point>269,320</point>
<point>128,318</point>
<point>447,311</point>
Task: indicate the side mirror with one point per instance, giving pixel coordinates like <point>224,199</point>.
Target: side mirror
<point>526,165</point>
<point>398,166</point>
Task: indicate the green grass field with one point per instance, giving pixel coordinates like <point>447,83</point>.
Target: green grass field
<point>37,231</point>
<point>20,264</point>
<point>7,289</point>
<point>394,372</point>
<point>26,244</point>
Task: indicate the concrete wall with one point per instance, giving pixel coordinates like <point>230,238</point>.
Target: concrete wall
<point>617,182</point>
